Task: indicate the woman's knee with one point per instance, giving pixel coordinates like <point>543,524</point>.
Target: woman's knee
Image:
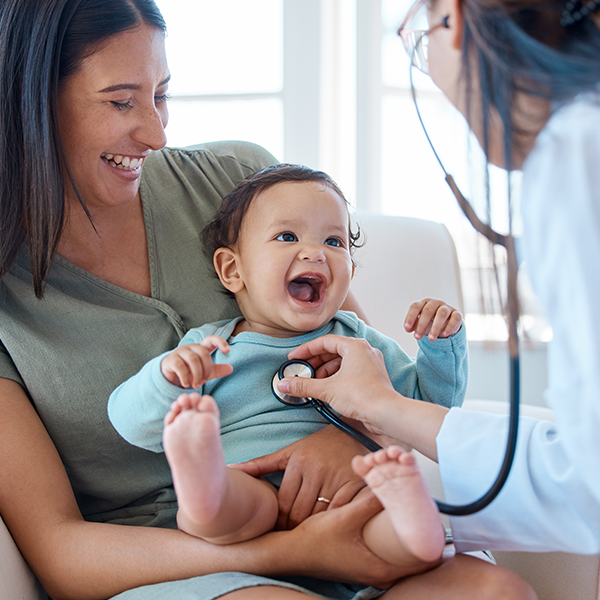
<point>463,577</point>
<point>498,583</point>
<point>266,592</point>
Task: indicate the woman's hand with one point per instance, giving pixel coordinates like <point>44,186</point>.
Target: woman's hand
<point>332,547</point>
<point>317,466</point>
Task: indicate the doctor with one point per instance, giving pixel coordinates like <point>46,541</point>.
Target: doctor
<point>526,74</point>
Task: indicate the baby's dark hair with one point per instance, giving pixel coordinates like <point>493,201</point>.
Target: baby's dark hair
<point>224,230</point>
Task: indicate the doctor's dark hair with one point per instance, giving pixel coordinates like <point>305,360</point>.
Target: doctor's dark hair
<point>42,44</point>
<point>224,230</point>
<point>524,46</point>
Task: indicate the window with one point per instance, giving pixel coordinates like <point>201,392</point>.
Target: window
<point>226,61</point>
<point>325,83</point>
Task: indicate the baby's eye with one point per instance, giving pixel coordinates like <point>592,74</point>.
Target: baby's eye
<point>287,236</point>
<point>333,241</point>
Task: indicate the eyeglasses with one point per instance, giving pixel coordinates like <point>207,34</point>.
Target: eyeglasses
<point>414,31</point>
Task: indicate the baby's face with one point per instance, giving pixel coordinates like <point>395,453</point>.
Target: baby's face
<point>294,258</point>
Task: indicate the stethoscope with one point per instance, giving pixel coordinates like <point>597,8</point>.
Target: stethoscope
<point>508,243</point>
<point>300,368</point>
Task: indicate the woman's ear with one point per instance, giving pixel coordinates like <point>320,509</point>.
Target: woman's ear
<point>225,261</point>
<point>455,22</point>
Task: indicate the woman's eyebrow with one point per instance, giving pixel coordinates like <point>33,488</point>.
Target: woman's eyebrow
<point>129,86</point>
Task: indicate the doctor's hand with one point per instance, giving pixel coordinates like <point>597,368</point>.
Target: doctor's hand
<point>351,378</point>
<point>317,466</point>
<point>191,365</point>
<point>432,318</point>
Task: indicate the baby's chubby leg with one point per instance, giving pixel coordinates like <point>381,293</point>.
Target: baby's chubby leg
<point>409,531</point>
<point>216,503</point>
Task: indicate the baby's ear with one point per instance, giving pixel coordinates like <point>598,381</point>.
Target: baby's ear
<point>225,261</point>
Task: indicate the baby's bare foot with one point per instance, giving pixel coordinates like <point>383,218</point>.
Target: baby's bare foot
<point>395,479</point>
<point>192,443</point>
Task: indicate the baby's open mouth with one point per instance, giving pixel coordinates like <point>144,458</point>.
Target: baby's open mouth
<point>306,289</point>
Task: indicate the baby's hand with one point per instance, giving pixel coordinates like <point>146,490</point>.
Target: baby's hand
<point>191,365</point>
<point>433,318</point>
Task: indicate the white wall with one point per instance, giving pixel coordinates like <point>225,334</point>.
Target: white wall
<point>489,372</point>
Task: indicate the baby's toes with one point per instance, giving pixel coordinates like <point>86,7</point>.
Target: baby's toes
<point>361,465</point>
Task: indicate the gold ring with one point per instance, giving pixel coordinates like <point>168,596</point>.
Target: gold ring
<point>322,499</point>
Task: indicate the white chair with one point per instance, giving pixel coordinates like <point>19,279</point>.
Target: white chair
<point>405,260</point>
<point>17,582</point>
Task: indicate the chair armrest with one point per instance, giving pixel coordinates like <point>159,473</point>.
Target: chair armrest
<point>16,578</point>
<point>553,575</point>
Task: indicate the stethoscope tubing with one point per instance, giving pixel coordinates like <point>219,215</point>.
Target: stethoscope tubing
<point>455,510</point>
<point>461,510</point>
<point>513,342</point>
<point>333,418</point>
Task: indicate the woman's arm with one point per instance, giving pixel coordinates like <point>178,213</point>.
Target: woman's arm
<point>76,559</point>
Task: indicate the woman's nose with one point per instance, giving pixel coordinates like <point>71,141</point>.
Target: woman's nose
<point>151,128</point>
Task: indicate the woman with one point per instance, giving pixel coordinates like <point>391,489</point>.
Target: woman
<point>100,267</point>
<point>526,75</point>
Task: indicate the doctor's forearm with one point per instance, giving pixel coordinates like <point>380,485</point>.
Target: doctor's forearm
<point>413,422</point>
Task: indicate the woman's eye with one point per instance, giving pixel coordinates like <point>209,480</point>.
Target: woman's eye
<point>122,105</point>
<point>162,98</point>
<point>286,236</point>
<point>333,241</point>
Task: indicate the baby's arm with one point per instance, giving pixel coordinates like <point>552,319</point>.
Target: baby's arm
<point>137,408</point>
<point>439,373</point>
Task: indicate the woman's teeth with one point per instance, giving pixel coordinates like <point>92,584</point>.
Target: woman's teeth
<point>122,162</point>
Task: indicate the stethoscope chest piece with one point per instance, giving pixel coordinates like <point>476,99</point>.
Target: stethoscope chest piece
<point>300,368</point>
<point>292,368</point>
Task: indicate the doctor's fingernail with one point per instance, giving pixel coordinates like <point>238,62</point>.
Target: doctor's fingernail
<point>283,386</point>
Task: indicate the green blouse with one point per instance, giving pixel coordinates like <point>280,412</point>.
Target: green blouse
<point>71,349</point>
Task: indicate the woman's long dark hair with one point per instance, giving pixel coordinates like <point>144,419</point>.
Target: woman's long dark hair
<point>520,46</point>
<point>517,48</point>
<point>43,42</point>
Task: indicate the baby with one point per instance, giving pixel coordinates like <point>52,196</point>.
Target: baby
<point>281,243</point>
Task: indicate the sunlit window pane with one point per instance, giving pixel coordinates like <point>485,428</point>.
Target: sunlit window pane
<point>258,121</point>
<point>395,61</point>
<point>224,46</point>
<point>412,181</point>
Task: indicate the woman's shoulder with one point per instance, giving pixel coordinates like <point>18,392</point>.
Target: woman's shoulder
<point>233,159</point>
<point>202,174</point>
